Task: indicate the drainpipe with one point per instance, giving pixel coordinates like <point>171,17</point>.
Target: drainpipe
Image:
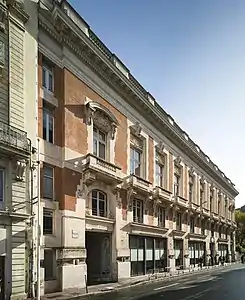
<point>38,223</point>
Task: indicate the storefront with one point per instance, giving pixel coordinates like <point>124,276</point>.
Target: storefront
<point>196,251</point>
<point>147,255</point>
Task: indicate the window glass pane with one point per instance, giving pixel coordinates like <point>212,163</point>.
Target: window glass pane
<point>94,206</point>
<point>47,221</point>
<point>94,194</point>
<point>101,136</point>
<point>44,77</point>
<point>1,185</point>
<point>95,146</point>
<point>102,151</point>
<point>48,171</point>
<point>101,196</point>
<point>48,188</point>
<point>50,82</point>
<point>102,208</point>
<point>50,128</point>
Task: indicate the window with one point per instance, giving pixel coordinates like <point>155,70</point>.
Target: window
<point>192,225</point>
<point>212,230</point>
<point>226,210</point>
<point>48,182</point>
<point>201,193</point>
<point>159,172</point>
<point>190,191</point>
<point>211,200</point>
<point>48,124</point>
<point>99,143</point>
<point>48,77</point>
<point>1,185</point>
<point>47,221</point>
<point>178,221</point>
<point>219,203</point>
<point>135,161</point>
<point>161,217</point>
<point>99,201</point>
<point>49,264</point>
<point>176,184</point>
<point>203,227</point>
<point>138,211</point>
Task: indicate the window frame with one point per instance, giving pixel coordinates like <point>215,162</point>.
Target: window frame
<point>99,142</point>
<point>47,70</point>
<point>176,184</point>
<point>178,221</point>
<point>133,160</point>
<point>159,165</point>
<point>138,208</point>
<point>201,191</point>
<point>45,195</point>
<point>161,217</point>
<point>49,211</point>
<point>211,199</point>
<point>48,111</point>
<point>192,225</point>
<point>98,201</point>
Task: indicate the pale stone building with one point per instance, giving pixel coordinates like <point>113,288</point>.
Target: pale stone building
<point>18,95</point>
<point>125,191</point>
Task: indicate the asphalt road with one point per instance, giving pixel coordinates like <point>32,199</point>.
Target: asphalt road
<point>218,284</point>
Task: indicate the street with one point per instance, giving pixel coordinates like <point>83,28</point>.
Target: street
<point>222,283</point>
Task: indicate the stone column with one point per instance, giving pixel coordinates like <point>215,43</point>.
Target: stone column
<point>122,237</point>
<point>170,254</point>
<point>186,258</point>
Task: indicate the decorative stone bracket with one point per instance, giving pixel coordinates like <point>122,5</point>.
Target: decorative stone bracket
<point>136,129</point>
<point>20,169</point>
<point>160,148</point>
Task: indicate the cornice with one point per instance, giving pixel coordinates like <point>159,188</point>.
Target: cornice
<point>63,30</point>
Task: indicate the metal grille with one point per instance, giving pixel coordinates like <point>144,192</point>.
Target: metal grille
<point>13,137</point>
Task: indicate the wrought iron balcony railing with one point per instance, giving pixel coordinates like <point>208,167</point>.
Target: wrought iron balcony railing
<point>14,138</point>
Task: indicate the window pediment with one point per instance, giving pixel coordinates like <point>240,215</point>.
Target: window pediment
<point>101,117</point>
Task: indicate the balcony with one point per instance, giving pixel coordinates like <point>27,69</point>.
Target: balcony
<point>138,184</point>
<point>195,208</point>
<point>205,212</point>
<point>96,168</point>
<point>162,194</point>
<point>215,216</point>
<point>14,140</point>
<point>182,202</point>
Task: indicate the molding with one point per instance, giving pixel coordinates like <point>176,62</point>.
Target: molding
<point>170,130</point>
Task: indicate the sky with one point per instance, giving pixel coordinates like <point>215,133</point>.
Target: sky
<point>190,55</point>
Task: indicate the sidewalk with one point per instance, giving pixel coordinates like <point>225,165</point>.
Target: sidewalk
<point>109,287</point>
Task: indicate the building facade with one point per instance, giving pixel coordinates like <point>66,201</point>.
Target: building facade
<point>18,95</point>
<point>124,190</point>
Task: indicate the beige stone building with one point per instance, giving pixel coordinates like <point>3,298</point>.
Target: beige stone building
<point>18,95</point>
<point>125,191</point>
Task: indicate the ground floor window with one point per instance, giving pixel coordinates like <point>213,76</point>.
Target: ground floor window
<point>196,252</point>
<point>178,253</point>
<point>147,255</point>
<point>223,251</point>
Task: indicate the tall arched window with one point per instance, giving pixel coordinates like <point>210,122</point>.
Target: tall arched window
<point>99,203</point>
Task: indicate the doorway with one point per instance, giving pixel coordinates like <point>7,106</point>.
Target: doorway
<point>2,276</point>
<point>98,246</point>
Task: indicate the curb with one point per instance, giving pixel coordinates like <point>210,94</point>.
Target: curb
<point>143,282</point>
